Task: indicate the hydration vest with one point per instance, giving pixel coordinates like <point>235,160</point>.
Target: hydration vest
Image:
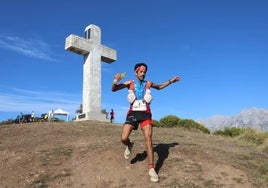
<point>139,91</point>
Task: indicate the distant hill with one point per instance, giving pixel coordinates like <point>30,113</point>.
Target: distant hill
<point>254,118</point>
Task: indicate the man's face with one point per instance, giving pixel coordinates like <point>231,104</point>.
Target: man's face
<point>140,74</point>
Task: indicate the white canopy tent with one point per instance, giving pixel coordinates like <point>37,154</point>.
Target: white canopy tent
<point>59,111</point>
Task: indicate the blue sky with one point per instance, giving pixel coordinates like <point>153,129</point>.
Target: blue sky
<point>218,48</point>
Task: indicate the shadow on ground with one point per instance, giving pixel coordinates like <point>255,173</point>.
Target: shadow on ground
<point>162,151</point>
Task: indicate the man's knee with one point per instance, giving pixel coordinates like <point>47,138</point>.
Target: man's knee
<point>124,139</point>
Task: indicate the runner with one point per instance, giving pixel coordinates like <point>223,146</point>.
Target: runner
<point>139,113</point>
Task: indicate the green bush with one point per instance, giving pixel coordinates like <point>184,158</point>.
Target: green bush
<point>169,121</point>
<point>234,131</point>
<point>156,123</point>
<point>174,121</point>
<point>230,131</point>
<point>219,132</point>
<point>192,125</point>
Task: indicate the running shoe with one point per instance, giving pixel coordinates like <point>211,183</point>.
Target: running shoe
<point>128,150</point>
<point>153,175</point>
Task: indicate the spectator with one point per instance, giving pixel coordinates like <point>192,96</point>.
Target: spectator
<point>112,116</point>
<point>32,116</point>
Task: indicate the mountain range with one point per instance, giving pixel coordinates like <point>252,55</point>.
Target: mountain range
<point>255,118</point>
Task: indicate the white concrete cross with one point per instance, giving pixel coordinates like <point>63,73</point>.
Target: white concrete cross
<point>92,50</point>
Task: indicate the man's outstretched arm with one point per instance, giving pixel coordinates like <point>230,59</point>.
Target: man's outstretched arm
<point>165,84</point>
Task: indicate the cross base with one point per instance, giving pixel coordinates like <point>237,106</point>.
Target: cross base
<point>91,116</point>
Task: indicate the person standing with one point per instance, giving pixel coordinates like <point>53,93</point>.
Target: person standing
<point>139,113</point>
<point>21,118</point>
<point>32,116</point>
<point>112,116</point>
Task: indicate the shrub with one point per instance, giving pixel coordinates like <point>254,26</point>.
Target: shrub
<point>219,132</point>
<point>156,123</point>
<point>174,121</point>
<point>234,131</point>
<point>192,125</point>
<point>8,122</point>
<point>230,131</point>
<point>169,121</point>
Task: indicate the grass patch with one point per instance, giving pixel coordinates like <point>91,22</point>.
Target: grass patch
<point>254,136</point>
<point>263,169</point>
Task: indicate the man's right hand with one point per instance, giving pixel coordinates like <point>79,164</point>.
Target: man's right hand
<point>117,77</point>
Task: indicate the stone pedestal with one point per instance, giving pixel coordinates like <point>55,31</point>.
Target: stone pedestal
<point>92,116</point>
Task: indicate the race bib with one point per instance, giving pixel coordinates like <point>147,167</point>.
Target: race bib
<point>139,105</point>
